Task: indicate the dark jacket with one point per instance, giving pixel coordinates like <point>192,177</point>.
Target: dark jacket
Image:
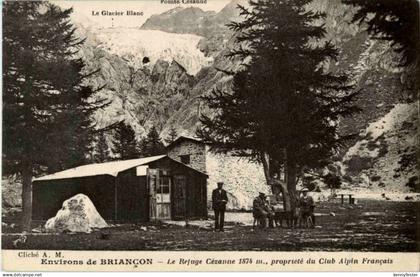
<point>306,204</point>
<point>219,199</point>
<point>261,205</point>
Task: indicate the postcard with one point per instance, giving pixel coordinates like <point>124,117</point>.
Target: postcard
<point>210,135</point>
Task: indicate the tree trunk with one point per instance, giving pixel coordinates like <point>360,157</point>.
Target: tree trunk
<point>290,176</point>
<point>26,198</point>
<point>273,183</point>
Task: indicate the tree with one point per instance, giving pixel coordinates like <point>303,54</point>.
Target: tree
<point>125,143</point>
<point>172,136</point>
<point>283,107</point>
<point>395,21</point>
<point>102,151</point>
<point>47,122</point>
<point>332,181</point>
<point>152,144</point>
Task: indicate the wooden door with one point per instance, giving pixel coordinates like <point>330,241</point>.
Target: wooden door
<point>153,180</point>
<point>163,197</point>
<point>179,199</point>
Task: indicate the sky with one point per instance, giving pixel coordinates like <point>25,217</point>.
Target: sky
<point>82,10</point>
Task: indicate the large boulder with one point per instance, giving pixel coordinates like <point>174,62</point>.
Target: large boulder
<point>78,214</point>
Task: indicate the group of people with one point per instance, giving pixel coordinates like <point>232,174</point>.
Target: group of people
<point>265,211</point>
<point>262,208</point>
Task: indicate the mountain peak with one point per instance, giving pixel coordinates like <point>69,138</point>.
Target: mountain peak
<point>192,9</point>
<point>172,11</point>
<point>179,20</point>
<point>193,20</point>
<point>231,11</point>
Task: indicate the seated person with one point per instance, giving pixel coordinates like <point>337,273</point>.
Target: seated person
<point>279,213</point>
<point>307,206</point>
<point>263,211</point>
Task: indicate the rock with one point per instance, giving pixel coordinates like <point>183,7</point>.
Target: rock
<point>78,214</point>
<point>364,180</point>
<point>205,228</point>
<point>373,214</point>
<point>20,241</point>
<point>332,214</point>
<point>143,228</point>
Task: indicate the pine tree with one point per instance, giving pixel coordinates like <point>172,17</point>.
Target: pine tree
<point>102,151</point>
<point>152,144</point>
<point>283,108</point>
<point>47,121</point>
<point>172,136</point>
<point>395,21</point>
<point>125,143</point>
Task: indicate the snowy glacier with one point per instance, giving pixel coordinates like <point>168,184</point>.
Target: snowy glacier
<point>133,44</point>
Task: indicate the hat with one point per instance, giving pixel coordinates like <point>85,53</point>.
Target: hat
<point>305,190</point>
<point>262,194</point>
<point>220,183</point>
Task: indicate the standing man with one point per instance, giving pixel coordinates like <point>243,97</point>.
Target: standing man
<point>219,199</point>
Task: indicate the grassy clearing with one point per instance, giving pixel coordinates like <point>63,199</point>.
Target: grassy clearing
<point>371,225</point>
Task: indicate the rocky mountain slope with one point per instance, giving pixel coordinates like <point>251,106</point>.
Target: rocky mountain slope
<point>144,84</point>
<point>384,158</point>
<point>370,64</point>
<point>182,47</point>
<point>210,25</point>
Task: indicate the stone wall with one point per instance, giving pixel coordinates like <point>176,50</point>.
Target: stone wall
<point>243,179</point>
<point>196,150</point>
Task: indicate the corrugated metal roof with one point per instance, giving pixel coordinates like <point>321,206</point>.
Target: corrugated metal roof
<point>109,168</point>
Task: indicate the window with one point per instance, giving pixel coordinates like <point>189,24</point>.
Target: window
<point>164,185</point>
<point>185,159</point>
<point>163,190</point>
